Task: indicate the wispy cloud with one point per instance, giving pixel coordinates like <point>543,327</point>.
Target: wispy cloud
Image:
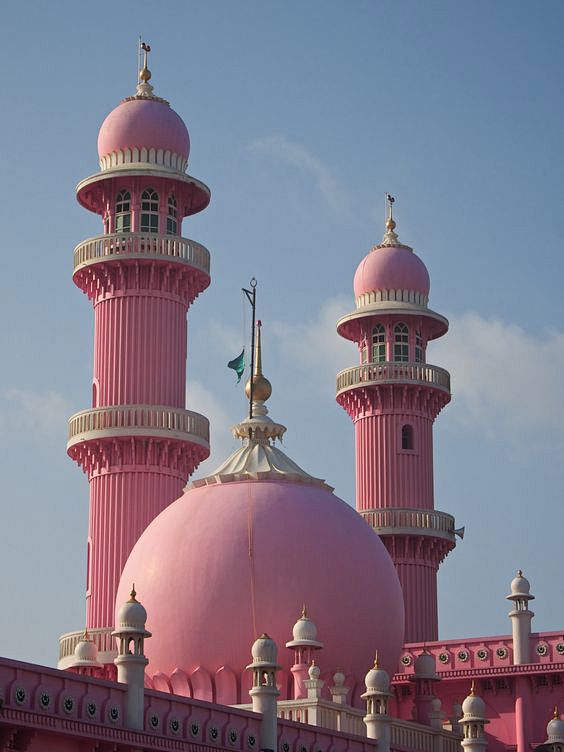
<point>315,347</point>
<point>505,381</point>
<point>297,155</point>
<point>34,415</point>
<point>204,401</point>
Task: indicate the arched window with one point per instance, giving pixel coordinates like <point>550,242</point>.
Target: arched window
<point>407,436</point>
<point>418,347</point>
<point>401,343</point>
<point>123,212</point>
<point>149,211</point>
<point>378,344</point>
<point>171,217</point>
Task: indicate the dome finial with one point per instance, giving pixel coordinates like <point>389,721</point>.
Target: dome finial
<point>262,388</point>
<point>304,611</point>
<point>132,594</point>
<point>390,237</point>
<point>144,88</point>
<point>556,714</point>
<point>376,659</point>
<point>473,689</point>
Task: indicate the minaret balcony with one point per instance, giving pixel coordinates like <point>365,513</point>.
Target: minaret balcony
<point>138,420</point>
<point>391,372</point>
<point>414,522</point>
<point>121,246</point>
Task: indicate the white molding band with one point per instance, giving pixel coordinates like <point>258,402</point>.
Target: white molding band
<point>138,157</point>
<point>402,296</point>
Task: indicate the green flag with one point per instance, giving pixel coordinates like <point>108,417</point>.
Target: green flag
<point>238,365</point>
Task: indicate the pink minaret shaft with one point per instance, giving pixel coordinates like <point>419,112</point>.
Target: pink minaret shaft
<point>393,398</point>
<point>137,443</point>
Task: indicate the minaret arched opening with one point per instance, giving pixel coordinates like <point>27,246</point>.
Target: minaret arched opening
<point>378,344</point>
<point>407,436</point>
<point>401,343</point>
<point>149,211</point>
<point>172,216</point>
<point>123,212</point>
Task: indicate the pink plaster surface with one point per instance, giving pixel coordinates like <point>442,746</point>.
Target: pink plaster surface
<point>143,123</point>
<point>194,575</point>
<point>391,268</point>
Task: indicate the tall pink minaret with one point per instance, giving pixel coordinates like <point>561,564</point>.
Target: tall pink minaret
<point>393,397</point>
<point>137,443</point>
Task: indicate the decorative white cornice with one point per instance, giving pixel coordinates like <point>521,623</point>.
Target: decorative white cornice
<point>136,157</point>
<point>385,296</point>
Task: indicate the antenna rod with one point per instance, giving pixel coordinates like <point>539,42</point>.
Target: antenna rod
<point>252,298</point>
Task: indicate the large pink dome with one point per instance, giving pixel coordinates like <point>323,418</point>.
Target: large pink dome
<point>143,123</point>
<point>391,268</point>
<point>194,575</point>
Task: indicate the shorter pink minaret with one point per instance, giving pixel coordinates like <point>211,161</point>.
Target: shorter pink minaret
<point>304,644</point>
<point>393,397</point>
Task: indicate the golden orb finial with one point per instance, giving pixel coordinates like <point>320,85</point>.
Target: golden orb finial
<point>556,714</point>
<point>132,594</point>
<point>304,611</point>
<point>145,73</point>
<point>376,659</point>
<point>473,689</point>
<point>390,222</point>
<point>262,388</point>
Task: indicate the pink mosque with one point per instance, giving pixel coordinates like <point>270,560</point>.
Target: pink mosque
<point>281,618</point>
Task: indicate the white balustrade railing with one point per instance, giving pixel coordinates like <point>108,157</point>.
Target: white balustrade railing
<point>410,736</point>
<point>140,245</point>
<point>420,519</point>
<point>102,639</point>
<point>392,372</point>
<point>138,417</point>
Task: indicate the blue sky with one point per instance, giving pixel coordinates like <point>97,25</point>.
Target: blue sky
<point>301,116</point>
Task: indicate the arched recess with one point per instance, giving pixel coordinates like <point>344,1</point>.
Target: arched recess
<point>161,683</point>
<point>246,684</point>
<point>202,684</point>
<point>226,687</point>
<point>180,683</point>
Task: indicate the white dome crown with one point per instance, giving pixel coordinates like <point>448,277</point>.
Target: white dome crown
<point>555,728</point>
<point>304,632</point>
<point>473,706</point>
<point>520,587</point>
<point>264,652</point>
<point>377,679</point>
<point>86,652</point>
<point>425,666</point>
<point>132,616</point>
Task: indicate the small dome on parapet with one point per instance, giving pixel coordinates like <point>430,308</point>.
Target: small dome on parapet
<point>264,651</point>
<point>520,586</point>
<point>86,653</point>
<point>473,706</point>
<point>377,679</point>
<point>555,728</point>
<point>339,678</point>
<point>424,666</point>
<point>132,616</point>
<point>314,672</point>
<point>304,632</point>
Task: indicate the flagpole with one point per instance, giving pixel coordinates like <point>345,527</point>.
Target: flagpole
<point>252,298</point>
